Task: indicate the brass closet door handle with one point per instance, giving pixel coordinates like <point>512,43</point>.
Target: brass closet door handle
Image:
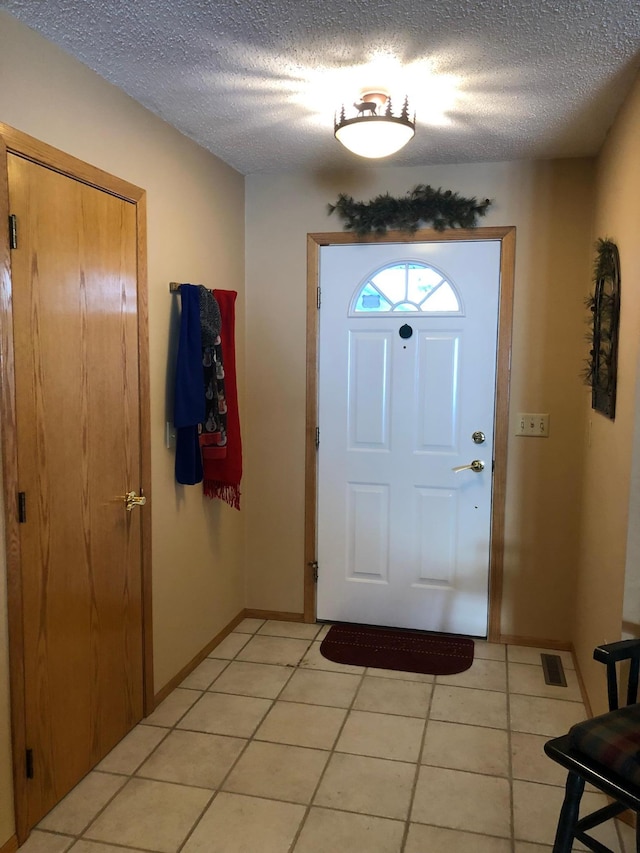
<point>131,500</point>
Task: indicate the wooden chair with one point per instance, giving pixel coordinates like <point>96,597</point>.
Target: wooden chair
<point>604,752</point>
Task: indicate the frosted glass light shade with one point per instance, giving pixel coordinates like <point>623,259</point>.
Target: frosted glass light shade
<point>374,136</point>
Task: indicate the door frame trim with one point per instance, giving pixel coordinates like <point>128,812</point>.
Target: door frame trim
<point>507,237</point>
<point>15,142</point>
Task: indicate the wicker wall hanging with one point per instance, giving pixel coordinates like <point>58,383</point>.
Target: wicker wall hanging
<point>602,366</point>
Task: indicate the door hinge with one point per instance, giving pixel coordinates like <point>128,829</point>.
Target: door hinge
<point>22,507</point>
<point>29,763</point>
<point>318,298</point>
<point>314,568</point>
<point>13,231</point>
<point>317,437</point>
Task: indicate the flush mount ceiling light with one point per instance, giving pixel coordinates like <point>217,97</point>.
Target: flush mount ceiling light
<point>372,130</point>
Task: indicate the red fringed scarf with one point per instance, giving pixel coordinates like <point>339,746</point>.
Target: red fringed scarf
<point>222,475</point>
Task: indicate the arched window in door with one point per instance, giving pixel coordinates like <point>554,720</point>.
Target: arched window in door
<point>409,287</point>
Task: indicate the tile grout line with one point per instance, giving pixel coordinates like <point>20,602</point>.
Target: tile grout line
<point>127,777</point>
<point>332,752</point>
<point>416,775</point>
<point>252,737</point>
<point>131,776</point>
<point>512,819</point>
<point>219,788</point>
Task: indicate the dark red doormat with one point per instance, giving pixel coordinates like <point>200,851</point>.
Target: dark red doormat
<point>389,648</point>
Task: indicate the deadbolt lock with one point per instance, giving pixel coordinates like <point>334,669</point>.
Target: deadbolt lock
<point>478,437</point>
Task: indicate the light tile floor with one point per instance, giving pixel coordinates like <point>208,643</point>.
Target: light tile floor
<point>269,747</point>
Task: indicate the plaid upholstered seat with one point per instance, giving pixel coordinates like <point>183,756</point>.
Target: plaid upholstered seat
<point>613,740</point>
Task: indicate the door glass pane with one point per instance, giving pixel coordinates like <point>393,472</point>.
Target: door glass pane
<point>421,281</point>
<point>409,286</point>
<point>392,281</point>
<point>371,300</point>
<point>442,299</point>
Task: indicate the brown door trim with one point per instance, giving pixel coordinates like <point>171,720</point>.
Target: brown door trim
<point>507,237</point>
<point>15,142</point>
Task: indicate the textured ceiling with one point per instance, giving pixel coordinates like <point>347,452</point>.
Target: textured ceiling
<point>257,82</point>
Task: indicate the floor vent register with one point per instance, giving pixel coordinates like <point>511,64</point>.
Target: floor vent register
<point>553,670</point>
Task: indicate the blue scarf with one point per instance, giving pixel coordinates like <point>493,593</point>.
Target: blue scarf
<point>189,409</point>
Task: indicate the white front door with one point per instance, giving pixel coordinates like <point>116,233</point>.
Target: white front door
<point>407,366</point>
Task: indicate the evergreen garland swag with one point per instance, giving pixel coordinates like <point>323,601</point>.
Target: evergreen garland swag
<point>421,206</point>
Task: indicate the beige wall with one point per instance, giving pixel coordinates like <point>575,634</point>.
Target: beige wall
<point>195,233</point>
<point>607,459</point>
<point>551,205</point>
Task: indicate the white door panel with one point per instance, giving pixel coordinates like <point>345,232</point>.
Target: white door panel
<point>436,411</point>
<point>368,404</point>
<point>402,539</point>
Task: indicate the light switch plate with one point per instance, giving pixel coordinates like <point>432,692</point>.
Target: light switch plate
<point>532,424</point>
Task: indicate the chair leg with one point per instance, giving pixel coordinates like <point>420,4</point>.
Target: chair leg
<point>569,814</point>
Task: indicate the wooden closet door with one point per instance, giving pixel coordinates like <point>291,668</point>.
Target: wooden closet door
<point>78,427</point>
